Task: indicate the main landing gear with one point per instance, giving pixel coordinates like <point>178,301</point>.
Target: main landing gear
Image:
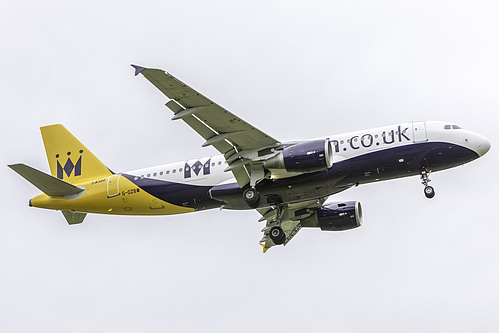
<point>276,233</point>
<point>429,192</point>
<point>252,197</point>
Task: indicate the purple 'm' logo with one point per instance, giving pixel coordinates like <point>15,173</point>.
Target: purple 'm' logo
<point>196,168</point>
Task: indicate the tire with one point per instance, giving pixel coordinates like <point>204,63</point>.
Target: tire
<point>277,235</point>
<point>251,196</point>
<point>429,192</point>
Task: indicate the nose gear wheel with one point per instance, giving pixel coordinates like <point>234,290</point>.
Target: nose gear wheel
<point>429,191</point>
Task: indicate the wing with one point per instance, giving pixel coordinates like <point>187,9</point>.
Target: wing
<point>229,134</point>
<point>290,217</point>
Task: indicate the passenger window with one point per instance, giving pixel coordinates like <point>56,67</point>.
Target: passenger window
<point>167,172</point>
<point>219,162</point>
<point>174,170</point>
<point>180,170</point>
<point>155,174</point>
<point>148,175</point>
<point>161,173</point>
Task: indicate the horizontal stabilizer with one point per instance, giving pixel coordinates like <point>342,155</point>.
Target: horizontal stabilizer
<point>48,184</point>
<point>74,218</point>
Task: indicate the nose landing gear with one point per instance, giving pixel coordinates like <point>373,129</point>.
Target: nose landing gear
<point>429,192</point>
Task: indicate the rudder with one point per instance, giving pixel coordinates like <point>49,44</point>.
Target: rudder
<point>68,158</point>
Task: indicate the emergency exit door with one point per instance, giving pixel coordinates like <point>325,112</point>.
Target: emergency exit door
<point>113,185</point>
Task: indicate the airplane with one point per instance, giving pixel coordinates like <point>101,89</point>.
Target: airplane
<point>288,183</point>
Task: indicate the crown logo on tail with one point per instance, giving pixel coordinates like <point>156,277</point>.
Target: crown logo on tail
<point>69,166</point>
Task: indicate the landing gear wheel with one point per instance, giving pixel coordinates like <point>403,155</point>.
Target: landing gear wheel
<point>429,192</point>
<point>277,235</point>
<point>251,196</point>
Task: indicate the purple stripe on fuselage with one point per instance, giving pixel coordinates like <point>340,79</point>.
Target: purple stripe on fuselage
<point>384,164</point>
<point>404,161</point>
<point>184,195</point>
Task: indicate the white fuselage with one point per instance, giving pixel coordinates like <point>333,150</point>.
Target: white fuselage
<point>346,146</point>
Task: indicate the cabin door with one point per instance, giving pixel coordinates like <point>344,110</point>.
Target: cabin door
<point>419,131</point>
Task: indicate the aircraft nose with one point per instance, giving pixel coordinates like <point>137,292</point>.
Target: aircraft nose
<point>482,145</point>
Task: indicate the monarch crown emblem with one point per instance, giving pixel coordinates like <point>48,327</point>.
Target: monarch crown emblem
<point>69,166</point>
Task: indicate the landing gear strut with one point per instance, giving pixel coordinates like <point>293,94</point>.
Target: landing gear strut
<point>429,192</point>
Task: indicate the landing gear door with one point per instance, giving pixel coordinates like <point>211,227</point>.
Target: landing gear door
<point>113,185</point>
<point>419,131</point>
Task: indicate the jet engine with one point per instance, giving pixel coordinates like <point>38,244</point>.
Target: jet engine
<point>303,157</point>
<point>336,217</point>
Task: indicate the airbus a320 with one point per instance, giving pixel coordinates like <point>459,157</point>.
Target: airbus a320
<point>288,183</point>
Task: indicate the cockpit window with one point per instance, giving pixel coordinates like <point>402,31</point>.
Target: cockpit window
<point>455,127</point>
<point>448,127</point>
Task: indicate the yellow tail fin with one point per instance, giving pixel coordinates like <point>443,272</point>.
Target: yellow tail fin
<point>68,158</point>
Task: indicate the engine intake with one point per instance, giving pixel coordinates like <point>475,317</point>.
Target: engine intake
<point>336,217</point>
<point>303,157</point>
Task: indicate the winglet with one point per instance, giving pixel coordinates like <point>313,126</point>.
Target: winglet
<point>264,247</point>
<point>138,69</point>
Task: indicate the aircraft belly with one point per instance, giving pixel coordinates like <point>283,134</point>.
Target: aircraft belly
<point>285,190</point>
<point>405,161</point>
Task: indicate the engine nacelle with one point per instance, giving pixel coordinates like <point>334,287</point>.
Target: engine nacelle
<point>336,217</point>
<point>303,157</point>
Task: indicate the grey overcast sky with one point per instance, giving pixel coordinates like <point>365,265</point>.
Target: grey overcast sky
<point>295,70</point>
